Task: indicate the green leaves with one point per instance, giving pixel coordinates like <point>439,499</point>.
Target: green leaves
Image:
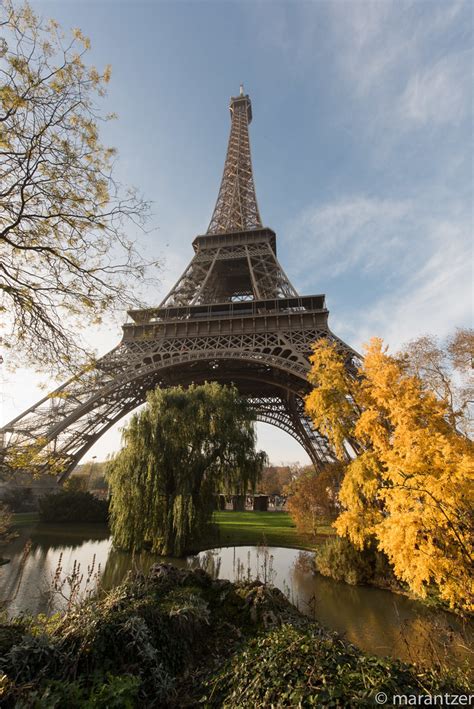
<point>180,451</point>
<point>176,637</point>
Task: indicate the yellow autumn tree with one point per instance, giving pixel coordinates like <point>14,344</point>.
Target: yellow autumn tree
<point>411,486</point>
<point>312,496</point>
<point>333,401</point>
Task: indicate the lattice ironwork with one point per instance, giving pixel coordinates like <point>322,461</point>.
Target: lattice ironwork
<point>240,271</point>
<point>236,207</point>
<point>233,316</point>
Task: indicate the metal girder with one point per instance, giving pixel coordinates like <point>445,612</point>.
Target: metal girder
<point>219,275</point>
<point>69,420</point>
<point>236,207</point>
<point>287,413</point>
<point>233,316</point>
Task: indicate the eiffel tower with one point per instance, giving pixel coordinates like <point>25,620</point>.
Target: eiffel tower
<point>232,317</point>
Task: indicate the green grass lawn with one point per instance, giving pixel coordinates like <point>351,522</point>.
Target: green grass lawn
<point>237,529</point>
<point>270,528</point>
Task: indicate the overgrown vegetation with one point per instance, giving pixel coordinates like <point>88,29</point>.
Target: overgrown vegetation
<point>5,522</point>
<point>178,638</point>
<point>19,499</point>
<point>342,561</point>
<point>275,478</point>
<point>72,506</point>
<point>5,528</point>
<point>185,446</point>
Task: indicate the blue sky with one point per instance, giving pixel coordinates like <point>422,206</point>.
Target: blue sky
<point>361,145</point>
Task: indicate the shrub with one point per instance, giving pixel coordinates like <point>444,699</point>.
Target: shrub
<point>76,483</point>
<point>120,692</point>
<point>5,523</point>
<point>19,499</point>
<point>303,667</point>
<point>177,637</point>
<point>342,561</point>
<point>313,496</point>
<point>72,506</point>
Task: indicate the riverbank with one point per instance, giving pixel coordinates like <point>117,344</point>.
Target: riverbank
<point>376,621</point>
<point>239,529</point>
<point>178,638</point>
<point>252,529</point>
<point>24,519</point>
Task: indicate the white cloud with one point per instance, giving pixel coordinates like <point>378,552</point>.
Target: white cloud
<point>381,43</point>
<point>439,93</point>
<point>437,298</point>
<point>370,41</point>
<point>418,265</point>
<point>359,232</point>
<point>386,53</point>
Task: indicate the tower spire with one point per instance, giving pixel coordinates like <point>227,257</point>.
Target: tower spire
<point>236,207</point>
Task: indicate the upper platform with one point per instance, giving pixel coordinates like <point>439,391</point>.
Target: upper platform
<point>239,237</point>
<point>241,102</point>
<point>252,308</point>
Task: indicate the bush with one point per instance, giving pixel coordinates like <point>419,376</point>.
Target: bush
<point>302,667</point>
<point>72,506</point>
<point>176,637</point>
<point>107,692</point>
<point>342,561</point>
<point>19,499</point>
<point>313,497</point>
<point>5,523</point>
<point>76,483</point>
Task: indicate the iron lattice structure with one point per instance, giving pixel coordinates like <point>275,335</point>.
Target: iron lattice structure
<point>233,316</point>
<point>236,207</point>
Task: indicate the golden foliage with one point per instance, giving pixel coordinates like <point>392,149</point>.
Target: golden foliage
<point>412,487</point>
<point>331,402</point>
<point>312,496</point>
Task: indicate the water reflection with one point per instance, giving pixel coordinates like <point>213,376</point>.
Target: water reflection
<point>377,621</point>
<point>25,583</point>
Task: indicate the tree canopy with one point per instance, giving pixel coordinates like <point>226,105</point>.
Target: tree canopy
<point>313,496</point>
<point>185,446</point>
<point>275,478</point>
<point>410,487</point>
<point>445,368</point>
<point>65,257</point>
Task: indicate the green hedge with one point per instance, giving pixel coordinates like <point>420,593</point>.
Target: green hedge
<point>72,506</point>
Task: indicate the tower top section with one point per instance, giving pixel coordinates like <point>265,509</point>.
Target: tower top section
<point>242,100</point>
<point>236,207</point>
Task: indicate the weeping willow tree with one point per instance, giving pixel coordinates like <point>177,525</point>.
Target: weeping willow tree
<point>179,451</point>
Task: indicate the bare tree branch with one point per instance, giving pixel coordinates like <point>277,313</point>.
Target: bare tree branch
<point>65,255</point>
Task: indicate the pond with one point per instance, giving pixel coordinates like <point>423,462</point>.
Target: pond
<point>377,621</point>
